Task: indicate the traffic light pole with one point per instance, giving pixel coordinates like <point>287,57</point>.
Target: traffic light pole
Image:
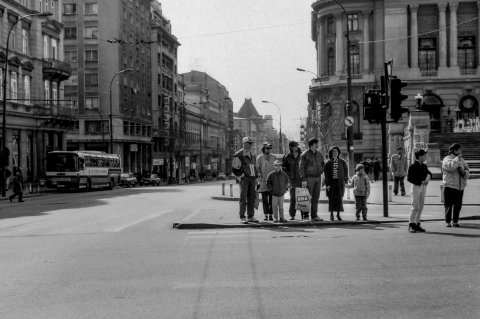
<point>384,144</point>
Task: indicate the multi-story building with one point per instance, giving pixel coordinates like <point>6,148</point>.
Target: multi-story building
<point>165,99</point>
<point>108,45</point>
<point>434,47</point>
<point>209,125</point>
<point>37,115</point>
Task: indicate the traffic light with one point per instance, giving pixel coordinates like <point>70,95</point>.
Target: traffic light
<point>373,111</point>
<point>396,109</point>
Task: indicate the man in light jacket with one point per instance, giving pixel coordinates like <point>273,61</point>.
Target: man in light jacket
<point>398,167</point>
<point>455,174</point>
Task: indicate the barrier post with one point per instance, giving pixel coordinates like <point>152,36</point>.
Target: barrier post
<point>231,189</point>
<point>348,193</point>
<point>223,189</point>
<point>390,190</point>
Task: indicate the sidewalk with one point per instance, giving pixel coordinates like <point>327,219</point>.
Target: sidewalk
<point>376,194</point>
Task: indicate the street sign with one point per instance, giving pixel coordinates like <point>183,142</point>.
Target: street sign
<point>349,121</point>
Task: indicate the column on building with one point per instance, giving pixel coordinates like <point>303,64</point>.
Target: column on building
<point>414,36</point>
<point>478,42</point>
<point>339,44</point>
<point>320,46</point>
<point>442,24</point>
<point>453,34</point>
<point>366,39</point>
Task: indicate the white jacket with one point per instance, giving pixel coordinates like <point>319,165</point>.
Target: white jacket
<point>451,176</point>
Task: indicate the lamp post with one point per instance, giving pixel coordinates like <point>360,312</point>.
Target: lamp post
<point>280,138</point>
<point>4,98</point>
<point>349,95</point>
<point>317,114</point>
<point>111,112</point>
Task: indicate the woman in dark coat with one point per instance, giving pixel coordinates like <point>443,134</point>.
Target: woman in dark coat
<point>336,175</point>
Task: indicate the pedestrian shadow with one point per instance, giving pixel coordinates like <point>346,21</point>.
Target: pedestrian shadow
<point>313,227</point>
<point>456,234</point>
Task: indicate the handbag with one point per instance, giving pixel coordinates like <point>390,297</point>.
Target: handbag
<point>302,199</point>
<point>257,201</point>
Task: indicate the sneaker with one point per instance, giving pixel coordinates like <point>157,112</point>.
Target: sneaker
<point>456,225</point>
<point>317,219</point>
<point>357,219</point>
<point>252,220</point>
<point>365,219</point>
<point>449,225</point>
<point>292,218</point>
<point>412,228</point>
<point>420,229</point>
<point>243,220</point>
<point>266,218</point>
<point>270,218</point>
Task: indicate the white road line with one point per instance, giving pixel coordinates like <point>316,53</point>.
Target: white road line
<point>193,214</point>
<point>117,229</point>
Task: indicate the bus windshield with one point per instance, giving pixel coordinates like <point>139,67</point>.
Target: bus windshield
<point>58,162</point>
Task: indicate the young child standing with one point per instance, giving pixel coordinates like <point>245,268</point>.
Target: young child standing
<point>419,176</point>
<point>361,189</point>
<point>277,183</point>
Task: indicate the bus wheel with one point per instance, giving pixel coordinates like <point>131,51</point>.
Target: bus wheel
<point>111,185</point>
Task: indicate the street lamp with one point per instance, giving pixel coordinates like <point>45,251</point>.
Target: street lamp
<point>4,98</point>
<point>348,103</point>
<point>280,138</point>
<point>111,114</point>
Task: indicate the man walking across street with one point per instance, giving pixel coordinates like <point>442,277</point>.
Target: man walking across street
<point>17,186</point>
<point>243,166</point>
<point>455,175</point>
<point>312,165</point>
<point>398,167</point>
<point>419,176</point>
<point>290,164</point>
<point>265,163</point>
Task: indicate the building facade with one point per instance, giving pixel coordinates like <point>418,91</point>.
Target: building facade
<point>37,115</point>
<point>434,47</point>
<point>166,97</point>
<point>108,45</point>
<point>208,126</point>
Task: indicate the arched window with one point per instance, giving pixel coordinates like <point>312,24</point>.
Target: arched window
<point>331,62</point>
<point>354,59</point>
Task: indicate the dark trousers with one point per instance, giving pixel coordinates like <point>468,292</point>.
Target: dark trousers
<point>453,204</point>
<point>247,196</point>
<point>20,196</point>
<point>313,186</point>
<point>377,175</point>
<point>399,180</point>
<point>293,202</point>
<point>267,203</point>
<point>360,206</point>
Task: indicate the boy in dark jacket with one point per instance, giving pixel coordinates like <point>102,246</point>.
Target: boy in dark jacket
<point>361,190</point>
<point>277,183</point>
<point>419,175</point>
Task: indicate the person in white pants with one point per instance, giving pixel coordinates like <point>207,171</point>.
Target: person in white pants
<point>419,175</point>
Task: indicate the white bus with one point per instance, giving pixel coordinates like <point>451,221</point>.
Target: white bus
<point>82,170</point>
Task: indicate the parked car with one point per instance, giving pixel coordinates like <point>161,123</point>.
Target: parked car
<point>222,176</point>
<point>153,180</point>
<point>128,179</point>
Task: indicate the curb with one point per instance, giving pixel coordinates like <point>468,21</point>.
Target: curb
<point>347,201</point>
<point>302,224</point>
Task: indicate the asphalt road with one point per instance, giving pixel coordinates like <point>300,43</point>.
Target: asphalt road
<point>113,254</point>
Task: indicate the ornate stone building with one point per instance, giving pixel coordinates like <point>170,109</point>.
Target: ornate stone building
<point>434,47</point>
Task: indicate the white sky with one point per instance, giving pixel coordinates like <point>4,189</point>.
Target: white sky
<point>253,47</point>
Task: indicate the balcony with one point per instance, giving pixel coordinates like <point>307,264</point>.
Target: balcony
<point>65,111</point>
<point>468,71</point>
<point>56,70</point>
<point>428,73</point>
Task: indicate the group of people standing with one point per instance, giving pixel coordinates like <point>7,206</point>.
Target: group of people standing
<point>272,178</point>
<point>297,169</point>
